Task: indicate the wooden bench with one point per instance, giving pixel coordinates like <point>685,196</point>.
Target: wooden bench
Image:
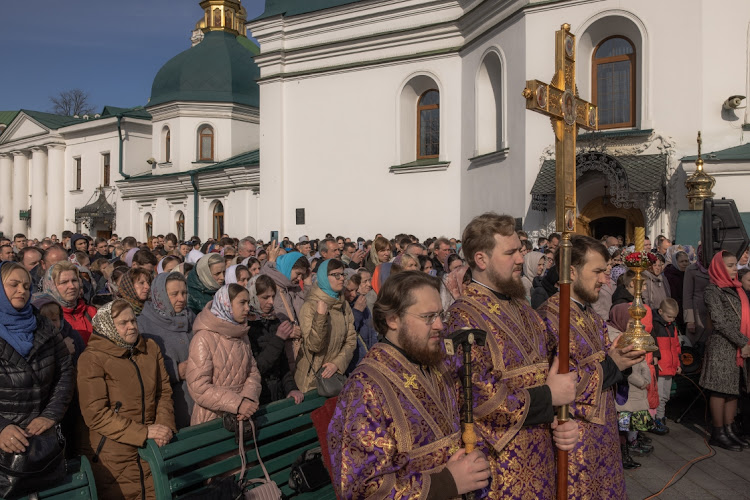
<point>284,432</point>
<point>78,485</point>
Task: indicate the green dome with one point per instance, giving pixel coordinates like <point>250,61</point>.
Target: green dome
<point>219,69</point>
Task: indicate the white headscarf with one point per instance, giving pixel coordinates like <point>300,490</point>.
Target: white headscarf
<point>230,275</point>
<point>194,256</point>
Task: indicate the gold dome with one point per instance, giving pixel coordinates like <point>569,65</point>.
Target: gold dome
<point>700,184</point>
<point>223,15</point>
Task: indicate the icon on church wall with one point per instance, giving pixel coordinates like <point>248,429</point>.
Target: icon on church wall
<point>569,46</point>
<point>568,107</point>
<point>570,220</point>
<point>541,96</point>
<point>592,117</point>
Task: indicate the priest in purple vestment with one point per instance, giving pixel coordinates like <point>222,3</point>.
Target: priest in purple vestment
<point>396,429</point>
<point>595,465</point>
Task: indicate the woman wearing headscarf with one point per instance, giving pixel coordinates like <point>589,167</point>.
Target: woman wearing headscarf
<point>724,364</point>
<point>328,334</point>
<point>267,337</point>
<point>533,266</point>
<point>36,374</point>
<point>167,320</point>
<point>237,274</point>
<point>204,280</point>
<point>134,287</point>
<point>697,328</point>
<point>222,374</point>
<point>125,398</point>
<point>63,282</point>
<point>128,259</point>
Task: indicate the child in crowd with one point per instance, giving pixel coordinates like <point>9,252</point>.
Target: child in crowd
<point>667,358</point>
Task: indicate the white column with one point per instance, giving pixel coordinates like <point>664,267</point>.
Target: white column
<point>20,191</point>
<point>56,189</point>
<point>38,192</point>
<point>6,194</point>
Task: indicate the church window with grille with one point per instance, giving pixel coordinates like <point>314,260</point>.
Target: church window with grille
<point>206,144</point>
<point>428,125</point>
<point>614,82</point>
<point>218,220</point>
<point>106,167</point>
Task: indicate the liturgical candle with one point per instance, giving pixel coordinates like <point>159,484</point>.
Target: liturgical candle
<point>640,237</point>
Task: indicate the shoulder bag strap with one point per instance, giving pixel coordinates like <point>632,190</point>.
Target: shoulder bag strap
<point>291,313</point>
<point>243,459</point>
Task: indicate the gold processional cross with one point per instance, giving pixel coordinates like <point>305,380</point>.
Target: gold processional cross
<point>567,111</point>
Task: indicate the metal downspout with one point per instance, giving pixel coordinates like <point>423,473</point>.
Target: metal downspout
<point>195,204</point>
<point>119,133</point>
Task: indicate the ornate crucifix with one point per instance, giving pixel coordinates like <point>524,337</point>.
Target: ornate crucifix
<point>558,101</point>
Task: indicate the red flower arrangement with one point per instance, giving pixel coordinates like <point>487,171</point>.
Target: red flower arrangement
<point>640,259</point>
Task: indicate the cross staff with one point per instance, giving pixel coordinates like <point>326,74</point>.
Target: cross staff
<point>558,100</point>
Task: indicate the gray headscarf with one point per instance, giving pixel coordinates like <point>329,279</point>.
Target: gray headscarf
<point>531,264</point>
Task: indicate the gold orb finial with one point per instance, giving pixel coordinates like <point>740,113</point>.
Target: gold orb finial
<point>565,27</point>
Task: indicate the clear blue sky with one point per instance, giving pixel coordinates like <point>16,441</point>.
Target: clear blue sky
<point>110,48</point>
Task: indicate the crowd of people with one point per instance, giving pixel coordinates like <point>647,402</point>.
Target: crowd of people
<point>113,342</point>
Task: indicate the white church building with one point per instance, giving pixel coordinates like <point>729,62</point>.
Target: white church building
<point>363,116</point>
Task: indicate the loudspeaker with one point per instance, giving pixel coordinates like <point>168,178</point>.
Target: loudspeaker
<point>722,229</point>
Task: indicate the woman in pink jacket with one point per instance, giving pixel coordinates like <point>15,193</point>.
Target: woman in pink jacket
<point>222,375</point>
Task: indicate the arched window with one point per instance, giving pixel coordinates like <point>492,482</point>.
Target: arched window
<point>180,221</point>
<point>206,143</point>
<point>428,125</point>
<point>149,226</point>
<point>613,72</point>
<point>168,146</point>
<point>217,18</point>
<point>218,220</point>
<point>489,125</point>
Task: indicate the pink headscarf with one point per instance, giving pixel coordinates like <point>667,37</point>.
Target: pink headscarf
<point>719,276</point>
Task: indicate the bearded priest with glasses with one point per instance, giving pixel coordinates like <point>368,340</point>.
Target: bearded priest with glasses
<point>395,432</point>
<point>516,383</point>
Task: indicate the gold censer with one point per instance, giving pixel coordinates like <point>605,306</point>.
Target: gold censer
<point>636,335</point>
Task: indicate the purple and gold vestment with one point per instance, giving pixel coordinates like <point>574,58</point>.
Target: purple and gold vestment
<point>395,425</point>
<point>595,464</point>
<point>514,359</point>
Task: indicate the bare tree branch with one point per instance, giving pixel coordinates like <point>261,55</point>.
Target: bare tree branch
<point>71,102</point>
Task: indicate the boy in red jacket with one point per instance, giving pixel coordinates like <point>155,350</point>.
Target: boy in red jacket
<point>667,358</point>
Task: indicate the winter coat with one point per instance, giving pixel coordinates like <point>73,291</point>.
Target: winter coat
<point>329,338</point>
<point>173,336</point>
<point>198,294</point>
<point>693,303</point>
<point>108,375</point>
<point>79,318</point>
<point>276,377</point>
<point>544,287</point>
<point>720,371</point>
<point>639,381</point>
<point>221,369</point>
<point>621,296</point>
<point>655,289</point>
<point>367,336</point>
<point>292,292</point>
<point>668,342</point>
<point>40,385</point>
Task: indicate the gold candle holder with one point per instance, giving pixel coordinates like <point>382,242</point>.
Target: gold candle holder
<point>636,335</point>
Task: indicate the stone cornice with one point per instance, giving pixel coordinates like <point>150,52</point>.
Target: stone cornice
<point>38,149</point>
<point>218,182</point>
<point>232,111</point>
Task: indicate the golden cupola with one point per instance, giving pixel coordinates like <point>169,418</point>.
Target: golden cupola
<point>223,15</point>
<point>700,184</point>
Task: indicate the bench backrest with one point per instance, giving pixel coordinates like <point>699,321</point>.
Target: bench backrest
<point>78,484</point>
<point>204,451</point>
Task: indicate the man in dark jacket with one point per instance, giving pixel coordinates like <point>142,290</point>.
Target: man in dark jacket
<point>667,358</point>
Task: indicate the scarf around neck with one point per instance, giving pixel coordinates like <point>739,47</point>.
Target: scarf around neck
<point>17,326</point>
<point>105,326</point>
<point>717,273</point>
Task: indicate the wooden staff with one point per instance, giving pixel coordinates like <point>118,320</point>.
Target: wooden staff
<point>563,353</point>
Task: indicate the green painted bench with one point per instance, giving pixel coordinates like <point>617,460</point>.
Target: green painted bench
<point>78,485</point>
<point>284,431</point>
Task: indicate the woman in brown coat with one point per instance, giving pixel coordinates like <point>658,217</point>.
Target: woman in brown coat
<point>125,398</point>
<point>328,334</point>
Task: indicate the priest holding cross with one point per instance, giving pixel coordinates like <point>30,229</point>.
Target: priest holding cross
<point>594,469</point>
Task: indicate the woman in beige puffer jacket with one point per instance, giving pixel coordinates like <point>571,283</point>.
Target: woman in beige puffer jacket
<point>328,334</point>
<point>222,375</point>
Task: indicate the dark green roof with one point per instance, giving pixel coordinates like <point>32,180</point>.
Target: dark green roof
<point>249,45</point>
<point>241,160</point>
<point>219,69</point>
<point>289,8</point>
<point>7,116</point>
<point>645,173</point>
<point>51,121</point>
<point>136,112</point>
<point>737,153</point>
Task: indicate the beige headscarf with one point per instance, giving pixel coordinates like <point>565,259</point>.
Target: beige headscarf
<point>203,268</point>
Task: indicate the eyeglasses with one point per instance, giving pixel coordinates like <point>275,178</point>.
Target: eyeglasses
<point>337,276</point>
<point>430,318</point>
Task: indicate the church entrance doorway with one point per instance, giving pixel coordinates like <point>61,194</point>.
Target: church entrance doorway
<point>608,226</point>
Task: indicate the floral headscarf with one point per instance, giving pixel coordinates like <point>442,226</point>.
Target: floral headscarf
<point>50,287</point>
<point>126,291</point>
<point>104,325</point>
<point>221,307</point>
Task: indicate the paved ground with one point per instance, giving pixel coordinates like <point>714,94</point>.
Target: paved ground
<point>726,475</point>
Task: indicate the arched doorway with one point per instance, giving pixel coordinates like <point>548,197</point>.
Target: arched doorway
<point>607,219</point>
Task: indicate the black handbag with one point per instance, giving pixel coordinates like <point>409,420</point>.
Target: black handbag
<point>308,472</point>
<point>331,386</point>
<point>229,421</point>
<point>38,468</point>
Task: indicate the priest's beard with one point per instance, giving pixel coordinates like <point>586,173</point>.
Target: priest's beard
<point>512,287</point>
<point>588,296</point>
<point>419,351</point>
